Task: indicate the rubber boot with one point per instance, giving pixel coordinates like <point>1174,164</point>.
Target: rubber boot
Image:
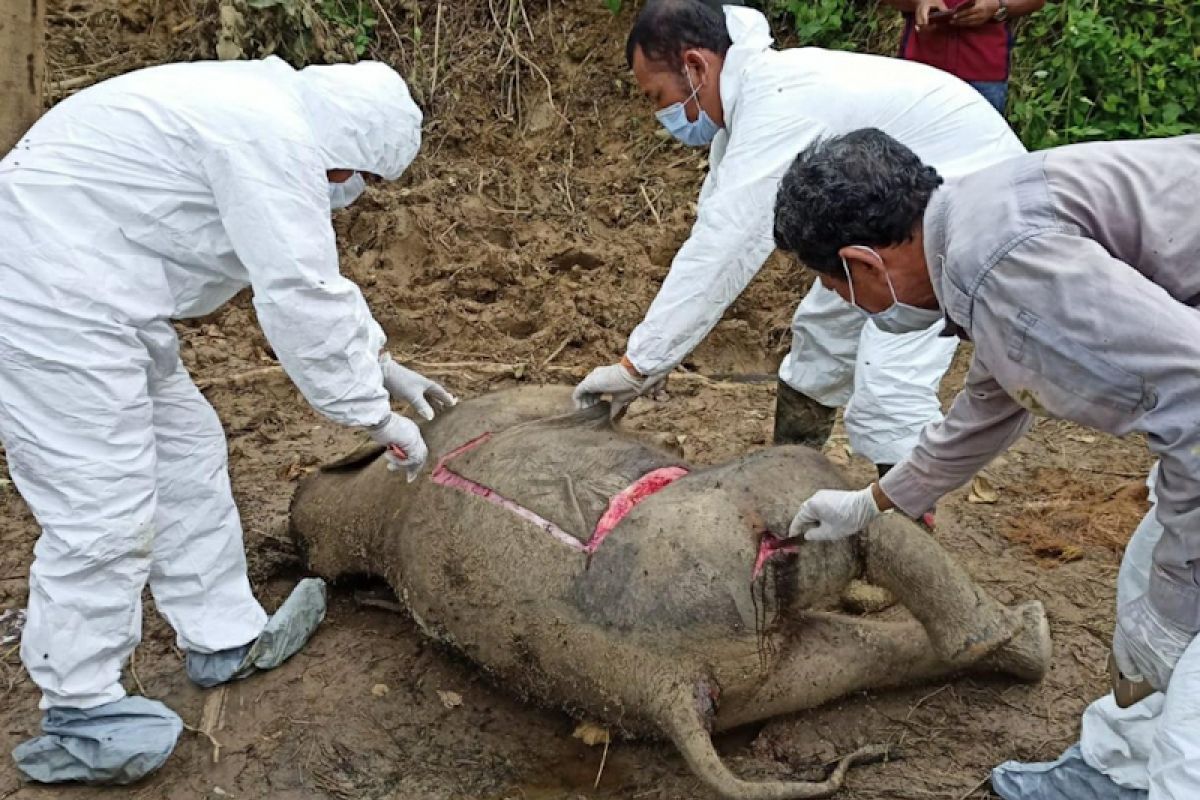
<point>799,419</point>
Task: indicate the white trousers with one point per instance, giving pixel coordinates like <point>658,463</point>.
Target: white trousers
<point>1154,744</point>
<point>887,382</point>
<point>123,464</point>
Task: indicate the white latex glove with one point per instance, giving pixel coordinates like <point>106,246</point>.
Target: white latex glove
<point>836,515</point>
<point>1146,644</point>
<point>614,380</point>
<point>405,448</point>
<point>412,387</point>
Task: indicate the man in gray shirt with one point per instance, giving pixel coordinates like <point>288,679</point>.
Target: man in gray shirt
<point>1076,273</point>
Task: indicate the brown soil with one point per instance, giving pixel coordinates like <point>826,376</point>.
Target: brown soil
<point>523,246</point>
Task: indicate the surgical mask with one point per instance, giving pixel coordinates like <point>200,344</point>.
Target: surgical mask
<point>898,317</point>
<point>344,193</point>
<point>674,119</point>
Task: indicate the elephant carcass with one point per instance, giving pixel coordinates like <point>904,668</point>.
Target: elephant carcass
<point>586,569</point>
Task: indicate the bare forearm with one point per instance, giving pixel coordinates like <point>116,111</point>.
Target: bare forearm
<point>882,501</point>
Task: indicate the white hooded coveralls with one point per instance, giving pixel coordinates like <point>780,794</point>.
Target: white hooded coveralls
<point>776,103</point>
<point>155,196</point>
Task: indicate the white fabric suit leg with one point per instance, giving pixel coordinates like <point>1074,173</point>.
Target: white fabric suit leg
<point>1175,757</point>
<point>77,427</point>
<point>896,379</point>
<point>198,574</point>
<point>825,334</point>
<point>887,382</point>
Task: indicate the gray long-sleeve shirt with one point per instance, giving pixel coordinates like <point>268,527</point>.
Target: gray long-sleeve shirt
<point>1076,273</point>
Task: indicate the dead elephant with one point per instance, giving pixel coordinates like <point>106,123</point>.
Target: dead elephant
<point>589,570</point>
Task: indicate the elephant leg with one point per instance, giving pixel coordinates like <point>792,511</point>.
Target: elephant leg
<point>832,656</point>
<point>962,621</point>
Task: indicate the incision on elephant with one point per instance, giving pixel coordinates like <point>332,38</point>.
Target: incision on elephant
<point>585,569</point>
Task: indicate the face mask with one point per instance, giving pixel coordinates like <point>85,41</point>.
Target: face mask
<point>674,119</point>
<point>898,317</point>
<point>344,193</point>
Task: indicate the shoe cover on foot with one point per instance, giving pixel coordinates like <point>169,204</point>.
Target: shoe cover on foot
<point>288,630</point>
<point>119,742</point>
<point>291,626</point>
<point>213,669</point>
<point>1068,778</point>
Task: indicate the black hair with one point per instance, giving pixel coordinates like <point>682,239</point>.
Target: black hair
<point>861,188</point>
<point>665,28</point>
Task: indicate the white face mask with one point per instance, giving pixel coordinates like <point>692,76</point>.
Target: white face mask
<point>898,317</point>
<point>344,193</point>
<point>674,119</point>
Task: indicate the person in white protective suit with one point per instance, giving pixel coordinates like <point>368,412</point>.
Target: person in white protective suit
<point>716,80</point>
<point>155,196</point>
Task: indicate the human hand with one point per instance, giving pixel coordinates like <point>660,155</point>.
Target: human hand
<point>1146,644</point>
<point>924,8</point>
<point>616,381</point>
<point>405,448</point>
<point>412,387</point>
<point>835,515</point>
<point>975,14</point>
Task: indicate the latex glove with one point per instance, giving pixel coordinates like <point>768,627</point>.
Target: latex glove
<point>412,387</point>
<point>836,515</point>
<point>616,381</point>
<point>1146,644</point>
<point>405,448</point>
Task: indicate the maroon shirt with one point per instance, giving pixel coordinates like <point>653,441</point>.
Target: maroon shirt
<point>973,54</point>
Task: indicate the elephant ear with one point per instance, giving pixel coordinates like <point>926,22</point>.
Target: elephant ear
<point>355,460</point>
<point>598,416</point>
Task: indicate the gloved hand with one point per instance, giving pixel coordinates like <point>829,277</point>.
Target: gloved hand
<point>616,381</point>
<point>836,514</point>
<point>1146,644</point>
<point>405,448</point>
<point>412,387</point>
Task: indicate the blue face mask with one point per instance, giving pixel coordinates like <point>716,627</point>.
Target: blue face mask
<point>674,119</point>
<point>898,317</point>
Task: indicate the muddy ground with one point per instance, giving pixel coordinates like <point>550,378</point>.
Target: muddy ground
<point>524,244</point>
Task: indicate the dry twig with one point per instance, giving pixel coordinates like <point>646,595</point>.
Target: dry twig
<point>603,761</point>
<point>650,205</point>
<point>437,36</point>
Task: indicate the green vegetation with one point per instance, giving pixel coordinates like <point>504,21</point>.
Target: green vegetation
<point>355,16</point>
<point>1082,69</point>
<point>1123,69</point>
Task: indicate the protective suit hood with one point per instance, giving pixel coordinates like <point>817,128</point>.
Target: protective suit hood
<point>362,116</point>
<point>751,35</point>
<point>748,29</point>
